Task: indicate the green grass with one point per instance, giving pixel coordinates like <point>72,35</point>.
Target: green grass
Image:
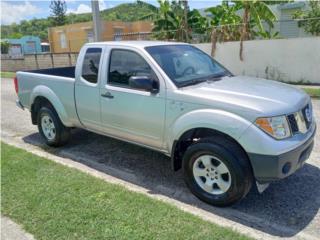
<point>313,92</point>
<point>8,74</point>
<point>52,201</point>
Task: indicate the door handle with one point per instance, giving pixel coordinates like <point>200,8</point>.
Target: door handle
<point>107,95</point>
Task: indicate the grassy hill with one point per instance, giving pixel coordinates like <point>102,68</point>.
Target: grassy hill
<point>127,12</point>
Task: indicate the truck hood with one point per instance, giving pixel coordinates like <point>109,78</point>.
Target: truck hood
<point>248,96</point>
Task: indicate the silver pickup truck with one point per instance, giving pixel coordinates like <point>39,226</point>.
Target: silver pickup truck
<point>225,132</point>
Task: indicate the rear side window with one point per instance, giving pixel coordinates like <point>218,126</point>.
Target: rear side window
<point>91,62</point>
<point>124,64</point>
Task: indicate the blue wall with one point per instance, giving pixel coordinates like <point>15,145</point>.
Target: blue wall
<point>29,44</point>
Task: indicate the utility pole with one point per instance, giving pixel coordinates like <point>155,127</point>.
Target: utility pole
<point>96,20</point>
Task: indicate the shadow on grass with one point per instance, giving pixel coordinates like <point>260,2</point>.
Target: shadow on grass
<point>284,209</point>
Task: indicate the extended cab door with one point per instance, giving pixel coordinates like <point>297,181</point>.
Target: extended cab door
<point>126,112</point>
<point>87,90</point>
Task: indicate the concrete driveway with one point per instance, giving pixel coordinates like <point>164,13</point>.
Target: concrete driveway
<point>288,208</point>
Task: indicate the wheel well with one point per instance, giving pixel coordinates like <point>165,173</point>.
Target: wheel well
<point>191,136</point>
<point>38,103</point>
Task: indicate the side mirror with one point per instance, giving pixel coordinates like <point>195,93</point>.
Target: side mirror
<point>144,83</point>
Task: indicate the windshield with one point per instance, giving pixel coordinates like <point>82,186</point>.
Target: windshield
<point>186,65</point>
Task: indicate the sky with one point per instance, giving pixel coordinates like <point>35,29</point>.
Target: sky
<point>14,11</point>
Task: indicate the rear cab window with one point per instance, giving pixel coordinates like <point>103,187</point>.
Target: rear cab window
<point>91,63</point>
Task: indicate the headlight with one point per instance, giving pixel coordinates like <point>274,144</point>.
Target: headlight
<point>277,127</point>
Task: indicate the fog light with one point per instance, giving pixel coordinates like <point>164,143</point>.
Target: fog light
<point>286,168</point>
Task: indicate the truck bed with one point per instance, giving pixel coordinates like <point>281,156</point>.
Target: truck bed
<point>57,85</point>
<point>61,72</point>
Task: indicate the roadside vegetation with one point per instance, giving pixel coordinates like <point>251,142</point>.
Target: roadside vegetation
<point>52,201</point>
<point>313,92</point>
<point>8,74</point>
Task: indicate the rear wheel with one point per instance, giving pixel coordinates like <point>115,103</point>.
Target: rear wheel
<point>51,128</point>
<point>217,172</point>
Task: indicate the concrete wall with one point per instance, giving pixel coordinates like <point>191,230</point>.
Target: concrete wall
<point>38,61</point>
<point>289,60</point>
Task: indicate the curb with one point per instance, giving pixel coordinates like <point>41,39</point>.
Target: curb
<point>205,215</point>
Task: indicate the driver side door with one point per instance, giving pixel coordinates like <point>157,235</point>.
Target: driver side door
<point>129,113</point>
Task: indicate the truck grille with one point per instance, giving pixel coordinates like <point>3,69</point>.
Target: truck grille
<point>293,124</point>
<point>300,121</point>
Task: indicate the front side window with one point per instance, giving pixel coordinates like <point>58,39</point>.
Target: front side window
<point>185,64</point>
<point>125,64</point>
<point>91,62</point>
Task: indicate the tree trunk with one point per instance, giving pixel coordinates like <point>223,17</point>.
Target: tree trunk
<point>214,38</point>
<point>186,27</point>
<point>166,27</point>
<point>245,31</point>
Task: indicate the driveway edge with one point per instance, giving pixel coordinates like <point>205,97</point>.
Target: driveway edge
<point>12,231</point>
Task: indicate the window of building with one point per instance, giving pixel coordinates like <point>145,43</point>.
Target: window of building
<point>63,41</point>
<point>118,34</point>
<point>30,47</point>
<point>91,62</point>
<point>124,64</point>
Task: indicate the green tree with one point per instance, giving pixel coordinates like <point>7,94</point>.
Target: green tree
<point>225,24</point>
<point>58,9</point>
<point>174,21</point>
<point>163,20</point>
<point>199,25</point>
<point>310,19</point>
<point>4,47</point>
<point>15,35</point>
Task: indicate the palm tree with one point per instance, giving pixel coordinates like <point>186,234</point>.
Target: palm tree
<point>199,25</point>
<point>254,13</point>
<point>163,18</point>
<point>225,24</point>
<point>174,20</point>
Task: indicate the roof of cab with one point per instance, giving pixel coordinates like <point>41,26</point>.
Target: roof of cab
<point>140,44</point>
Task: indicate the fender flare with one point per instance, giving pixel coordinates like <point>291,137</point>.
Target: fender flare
<point>228,123</point>
<point>45,92</point>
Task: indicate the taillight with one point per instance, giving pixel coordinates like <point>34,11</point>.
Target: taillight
<point>15,80</point>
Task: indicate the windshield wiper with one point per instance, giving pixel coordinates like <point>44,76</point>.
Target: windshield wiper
<point>192,82</point>
<point>218,76</point>
<point>210,78</point>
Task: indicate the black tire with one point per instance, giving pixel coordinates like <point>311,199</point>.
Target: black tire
<point>234,159</point>
<point>62,133</point>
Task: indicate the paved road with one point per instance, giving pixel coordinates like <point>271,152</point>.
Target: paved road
<point>288,208</point>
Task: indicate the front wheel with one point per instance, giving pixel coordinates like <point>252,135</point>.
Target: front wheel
<point>51,128</point>
<point>217,173</point>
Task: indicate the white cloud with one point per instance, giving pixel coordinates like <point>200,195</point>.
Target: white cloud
<point>84,8</point>
<point>102,5</point>
<point>11,13</point>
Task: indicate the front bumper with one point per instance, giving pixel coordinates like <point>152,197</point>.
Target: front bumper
<point>268,168</point>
